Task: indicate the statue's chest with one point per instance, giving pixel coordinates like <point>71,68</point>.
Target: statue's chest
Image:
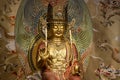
<point>57,52</point>
<point>58,58</point>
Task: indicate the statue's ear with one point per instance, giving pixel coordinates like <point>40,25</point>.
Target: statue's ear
<point>43,21</point>
<point>72,23</point>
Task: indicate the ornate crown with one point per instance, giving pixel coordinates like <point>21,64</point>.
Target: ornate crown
<point>57,14</point>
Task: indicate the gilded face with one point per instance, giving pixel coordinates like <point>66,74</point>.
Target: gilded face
<point>58,30</point>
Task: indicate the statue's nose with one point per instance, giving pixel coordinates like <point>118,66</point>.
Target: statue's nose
<point>59,29</point>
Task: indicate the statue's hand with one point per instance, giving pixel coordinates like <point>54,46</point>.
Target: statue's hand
<point>76,70</point>
<point>44,55</point>
<point>44,59</point>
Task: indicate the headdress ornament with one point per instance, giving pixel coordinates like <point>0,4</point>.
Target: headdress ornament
<point>57,14</point>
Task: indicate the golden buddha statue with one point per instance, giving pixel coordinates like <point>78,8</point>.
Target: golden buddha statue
<point>55,55</point>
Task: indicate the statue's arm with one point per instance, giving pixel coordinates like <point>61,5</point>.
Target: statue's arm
<point>42,55</point>
<point>77,66</point>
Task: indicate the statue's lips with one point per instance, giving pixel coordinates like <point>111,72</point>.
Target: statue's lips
<point>58,32</point>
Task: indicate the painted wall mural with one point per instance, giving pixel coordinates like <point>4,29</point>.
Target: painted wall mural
<point>101,59</point>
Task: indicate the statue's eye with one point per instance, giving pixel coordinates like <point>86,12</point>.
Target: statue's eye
<point>61,26</point>
<point>55,27</point>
